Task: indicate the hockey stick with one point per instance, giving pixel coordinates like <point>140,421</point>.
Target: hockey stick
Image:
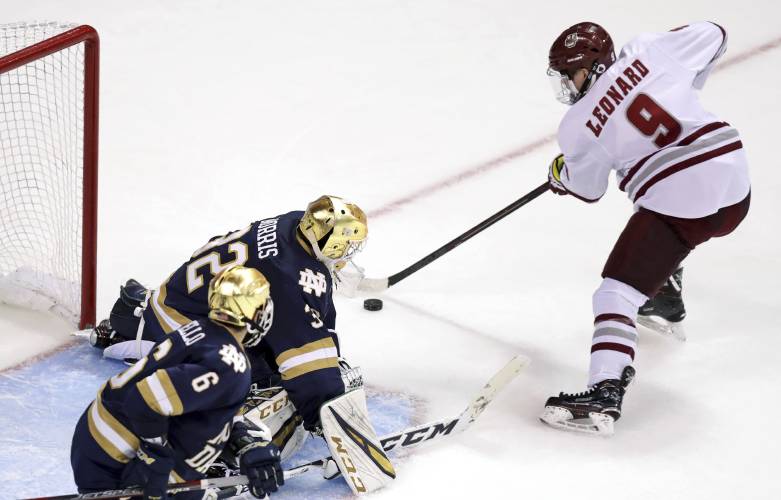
<point>404,439</point>
<point>429,431</point>
<point>380,284</point>
<point>194,485</point>
<point>437,429</point>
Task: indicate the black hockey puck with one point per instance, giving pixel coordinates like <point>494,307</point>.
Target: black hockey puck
<point>372,304</point>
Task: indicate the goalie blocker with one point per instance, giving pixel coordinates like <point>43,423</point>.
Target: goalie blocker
<point>354,443</point>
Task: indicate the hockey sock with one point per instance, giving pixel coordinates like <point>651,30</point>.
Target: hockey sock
<point>614,342</point>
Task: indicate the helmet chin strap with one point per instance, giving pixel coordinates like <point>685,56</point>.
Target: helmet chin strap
<point>251,323</point>
<point>591,79</point>
<point>329,263</point>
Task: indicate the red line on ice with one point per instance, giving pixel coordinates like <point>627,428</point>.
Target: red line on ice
<point>459,177</point>
<point>533,146</point>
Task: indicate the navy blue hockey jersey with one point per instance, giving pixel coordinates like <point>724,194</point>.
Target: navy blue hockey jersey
<point>301,344</point>
<point>189,387</point>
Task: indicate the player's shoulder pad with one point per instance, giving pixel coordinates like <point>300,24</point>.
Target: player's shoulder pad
<point>638,44</point>
<point>313,282</point>
<point>573,137</point>
<point>213,346</point>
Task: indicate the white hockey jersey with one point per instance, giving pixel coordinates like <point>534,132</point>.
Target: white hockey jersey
<point>643,119</point>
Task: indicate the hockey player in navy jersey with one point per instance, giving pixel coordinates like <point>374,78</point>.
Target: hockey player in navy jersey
<point>168,417</point>
<point>299,252</point>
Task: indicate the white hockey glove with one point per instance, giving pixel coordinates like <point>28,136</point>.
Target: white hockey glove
<point>348,279</point>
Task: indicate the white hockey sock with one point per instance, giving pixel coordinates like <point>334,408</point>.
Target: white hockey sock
<point>614,342</point>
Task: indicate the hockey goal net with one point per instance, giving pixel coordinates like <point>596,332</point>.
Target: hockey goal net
<point>48,167</point>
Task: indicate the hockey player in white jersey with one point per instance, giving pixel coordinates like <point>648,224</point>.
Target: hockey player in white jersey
<point>683,168</point>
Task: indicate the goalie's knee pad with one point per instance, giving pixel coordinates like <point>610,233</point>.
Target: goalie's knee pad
<point>126,313</point>
<point>616,297</point>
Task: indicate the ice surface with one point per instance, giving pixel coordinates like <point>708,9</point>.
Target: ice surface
<point>42,403</point>
<point>216,113</point>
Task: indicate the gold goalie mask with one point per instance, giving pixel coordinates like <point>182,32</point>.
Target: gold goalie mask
<point>241,296</point>
<point>335,229</point>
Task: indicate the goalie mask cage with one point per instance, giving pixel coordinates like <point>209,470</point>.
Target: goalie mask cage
<point>48,167</point>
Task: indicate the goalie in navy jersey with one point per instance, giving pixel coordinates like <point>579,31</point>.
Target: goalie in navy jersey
<point>170,415</point>
<point>298,357</point>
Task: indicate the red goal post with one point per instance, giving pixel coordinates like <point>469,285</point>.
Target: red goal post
<point>49,167</point>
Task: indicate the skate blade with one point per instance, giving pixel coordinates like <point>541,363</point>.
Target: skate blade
<point>560,418</point>
<point>663,327</point>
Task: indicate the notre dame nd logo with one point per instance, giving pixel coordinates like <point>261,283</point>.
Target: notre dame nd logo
<point>232,357</point>
<point>313,282</point>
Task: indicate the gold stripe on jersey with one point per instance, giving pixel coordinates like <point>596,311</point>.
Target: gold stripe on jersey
<point>325,343</point>
<point>174,477</point>
<point>164,394</point>
<point>149,396</point>
<point>105,444</point>
<point>310,366</point>
<point>113,437</point>
<point>169,318</point>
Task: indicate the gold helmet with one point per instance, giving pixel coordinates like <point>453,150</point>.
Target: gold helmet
<point>241,296</point>
<point>335,228</point>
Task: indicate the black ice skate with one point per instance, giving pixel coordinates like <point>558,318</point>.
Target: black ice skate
<point>665,312</point>
<point>594,411</point>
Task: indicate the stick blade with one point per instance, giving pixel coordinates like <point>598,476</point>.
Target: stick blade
<point>373,285</point>
<point>498,382</point>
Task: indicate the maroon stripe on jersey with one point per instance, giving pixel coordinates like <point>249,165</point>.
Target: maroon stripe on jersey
<point>620,318</point>
<point>723,31</point>
<point>634,170</point>
<point>694,160</point>
<point>702,131</point>
<point>612,346</point>
<point>683,142</point>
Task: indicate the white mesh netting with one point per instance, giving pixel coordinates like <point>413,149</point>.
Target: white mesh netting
<point>41,173</point>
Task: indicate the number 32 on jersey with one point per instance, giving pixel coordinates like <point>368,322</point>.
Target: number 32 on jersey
<point>213,262</point>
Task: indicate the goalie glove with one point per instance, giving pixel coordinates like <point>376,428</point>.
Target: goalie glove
<point>348,279</point>
<point>554,175</point>
<point>256,456</point>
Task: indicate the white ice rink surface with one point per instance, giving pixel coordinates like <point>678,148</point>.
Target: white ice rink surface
<point>217,113</point>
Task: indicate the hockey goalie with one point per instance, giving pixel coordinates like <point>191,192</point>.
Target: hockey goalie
<point>297,372</point>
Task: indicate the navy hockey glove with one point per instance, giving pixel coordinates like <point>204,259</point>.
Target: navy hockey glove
<point>151,468</point>
<point>256,458</point>
<point>259,461</point>
<point>554,175</point>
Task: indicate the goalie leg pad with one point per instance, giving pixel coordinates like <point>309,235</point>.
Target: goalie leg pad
<point>354,443</point>
<point>271,408</point>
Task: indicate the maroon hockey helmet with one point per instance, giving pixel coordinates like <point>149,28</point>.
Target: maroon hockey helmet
<point>584,45</point>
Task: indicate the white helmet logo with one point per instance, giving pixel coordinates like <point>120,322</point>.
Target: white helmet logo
<point>571,40</point>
